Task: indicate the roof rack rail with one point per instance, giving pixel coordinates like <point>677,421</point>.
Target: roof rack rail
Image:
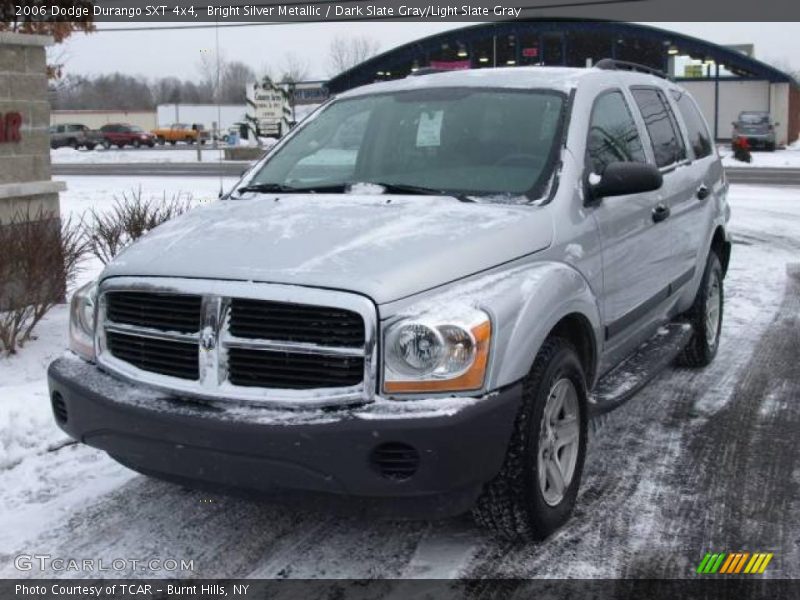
<point>611,64</point>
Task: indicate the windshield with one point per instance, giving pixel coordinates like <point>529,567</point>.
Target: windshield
<point>451,140</point>
<point>136,129</point>
<point>754,118</point>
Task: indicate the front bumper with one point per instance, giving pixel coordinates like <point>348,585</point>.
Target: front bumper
<point>460,442</point>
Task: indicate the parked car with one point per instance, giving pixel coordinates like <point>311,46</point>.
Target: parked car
<point>123,134</point>
<point>757,128</point>
<point>425,317</point>
<point>75,136</point>
<point>181,132</point>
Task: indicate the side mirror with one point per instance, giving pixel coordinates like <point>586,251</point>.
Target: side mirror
<point>623,178</point>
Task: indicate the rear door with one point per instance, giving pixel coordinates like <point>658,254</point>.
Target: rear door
<point>693,212</point>
<point>672,159</point>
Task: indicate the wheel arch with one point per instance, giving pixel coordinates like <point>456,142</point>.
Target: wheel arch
<point>560,304</point>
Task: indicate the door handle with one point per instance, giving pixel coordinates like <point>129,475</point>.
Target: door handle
<point>703,192</point>
<point>660,213</point>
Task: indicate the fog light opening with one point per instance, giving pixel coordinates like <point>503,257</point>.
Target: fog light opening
<point>395,460</point>
<point>59,407</point>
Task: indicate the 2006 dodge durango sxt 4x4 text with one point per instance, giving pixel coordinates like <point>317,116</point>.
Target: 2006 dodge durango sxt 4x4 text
<point>418,298</point>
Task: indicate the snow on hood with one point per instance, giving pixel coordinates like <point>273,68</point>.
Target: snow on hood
<point>383,246</point>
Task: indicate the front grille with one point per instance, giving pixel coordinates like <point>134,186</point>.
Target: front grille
<point>227,345</point>
<point>167,312</point>
<point>321,325</point>
<point>284,370</point>
<point>166,357</point>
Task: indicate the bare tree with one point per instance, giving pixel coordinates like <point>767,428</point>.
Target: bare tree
<point>347,52</point>
<point>783,64</point>
<point>234,82</point>
<point>212,71</point>
<point>294,68</point>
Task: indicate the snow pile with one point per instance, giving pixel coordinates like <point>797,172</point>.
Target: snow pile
<point>27,427</point>
<point>788,158</point>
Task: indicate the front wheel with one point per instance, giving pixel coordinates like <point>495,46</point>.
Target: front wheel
<point>535,491</point>
<point>705,316</point>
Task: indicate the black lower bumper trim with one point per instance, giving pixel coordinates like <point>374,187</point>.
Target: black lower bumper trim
<point>460,447</point>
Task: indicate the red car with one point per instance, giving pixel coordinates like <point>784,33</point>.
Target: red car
<point>123,134</point>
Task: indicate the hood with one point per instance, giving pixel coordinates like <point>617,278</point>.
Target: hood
<point>383,246</point>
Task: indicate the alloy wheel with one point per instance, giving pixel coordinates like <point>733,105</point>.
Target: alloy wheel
<point>559,441</point>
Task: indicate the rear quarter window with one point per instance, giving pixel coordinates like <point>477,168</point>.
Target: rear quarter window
<point>665,135</point>
<point>699,138</point>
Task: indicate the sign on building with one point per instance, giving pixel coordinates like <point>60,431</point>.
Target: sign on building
<point>268,108</point>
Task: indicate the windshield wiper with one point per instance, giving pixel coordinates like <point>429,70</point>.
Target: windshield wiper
<point>402,188</point>
<point>266,188</point>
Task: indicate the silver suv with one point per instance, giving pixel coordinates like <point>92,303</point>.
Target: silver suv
<point>419,298</point>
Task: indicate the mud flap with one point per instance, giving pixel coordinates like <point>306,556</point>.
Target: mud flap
<point>623,382</point>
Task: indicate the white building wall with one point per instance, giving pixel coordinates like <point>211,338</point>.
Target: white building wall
<point>779,107</point>
<point>94,119</point>
<point>737,96</point>
<point>703,93</point>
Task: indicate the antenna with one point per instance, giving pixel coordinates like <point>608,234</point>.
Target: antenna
<point>219,111</point>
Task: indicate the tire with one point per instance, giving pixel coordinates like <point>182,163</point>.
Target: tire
<point>770,147</point>
<point>136,143</point>
<point>705,316</point>
<point>74,144</point>
<point>189,141</point>
<point>90,146</point>
<point>106,144</point>
<point>172,142</point>
<point>151,144</point>
<point>160,140</point>
<point>516,504</point>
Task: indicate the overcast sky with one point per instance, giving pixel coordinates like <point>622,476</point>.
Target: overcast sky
<point>177,53</point>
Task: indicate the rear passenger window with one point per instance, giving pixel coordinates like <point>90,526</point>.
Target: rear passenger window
<point>613,136</point>
<point>699,138</point>
<point>664,132</point>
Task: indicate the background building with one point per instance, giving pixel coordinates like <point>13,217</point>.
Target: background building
<point>724,80</point>
<point>95,119</point>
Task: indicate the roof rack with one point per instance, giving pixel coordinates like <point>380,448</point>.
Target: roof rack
<point>610,64</point>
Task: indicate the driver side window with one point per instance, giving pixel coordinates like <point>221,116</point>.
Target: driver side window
<point>613,136</point>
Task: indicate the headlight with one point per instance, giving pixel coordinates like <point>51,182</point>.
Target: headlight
<point>435,354</point>
<point>82,312</point>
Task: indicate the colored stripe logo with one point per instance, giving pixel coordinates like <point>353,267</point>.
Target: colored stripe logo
<point>732,563</point>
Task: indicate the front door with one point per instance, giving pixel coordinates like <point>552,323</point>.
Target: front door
<point>636,243</point>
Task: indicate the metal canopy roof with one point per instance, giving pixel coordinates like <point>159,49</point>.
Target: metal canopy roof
<point>364,72</point>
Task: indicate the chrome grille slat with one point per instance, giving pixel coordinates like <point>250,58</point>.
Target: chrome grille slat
<point>315,340</point>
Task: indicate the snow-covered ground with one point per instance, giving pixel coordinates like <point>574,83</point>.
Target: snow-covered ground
<point>132,155</point>
<point>784,158</point>
<point>642,503</point>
